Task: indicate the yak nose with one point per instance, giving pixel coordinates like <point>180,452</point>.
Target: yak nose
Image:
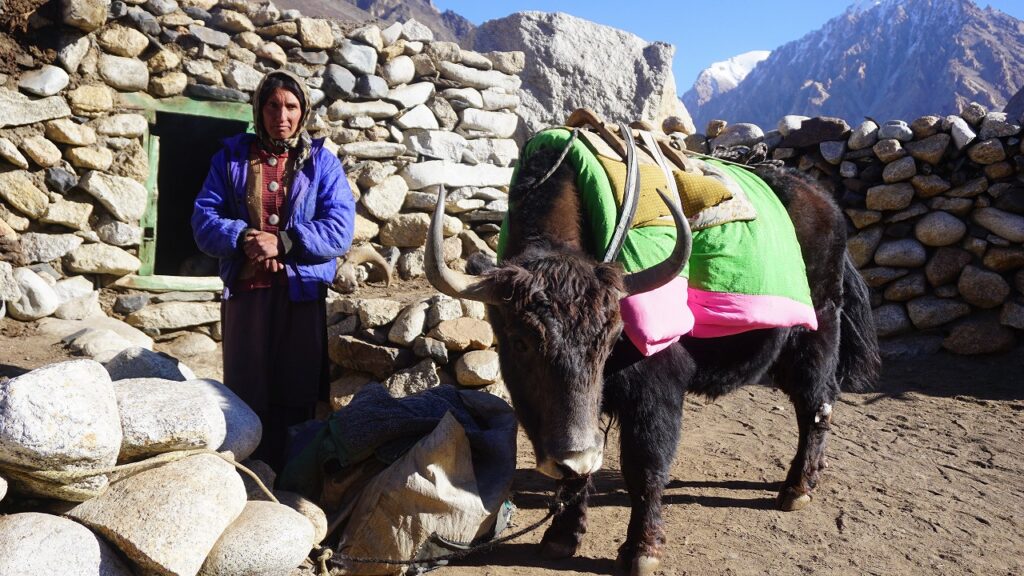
<point>573,464</point>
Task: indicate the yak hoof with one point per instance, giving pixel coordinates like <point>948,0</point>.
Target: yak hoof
<point>645,566</point>
<point>551,550</point>
<point>790,500</point>
<point>637,566</point>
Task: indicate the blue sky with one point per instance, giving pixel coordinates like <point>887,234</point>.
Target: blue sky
<point>702,32</point>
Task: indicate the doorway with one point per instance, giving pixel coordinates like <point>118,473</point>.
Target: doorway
<point>187,143</point>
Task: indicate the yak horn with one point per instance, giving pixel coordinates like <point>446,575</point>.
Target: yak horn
<point>363,254</point>
<point>447,281</point>
<point>665,271</point>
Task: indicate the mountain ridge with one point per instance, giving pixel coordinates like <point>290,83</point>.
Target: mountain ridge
<point>447,25</point>
<point>892,59</point>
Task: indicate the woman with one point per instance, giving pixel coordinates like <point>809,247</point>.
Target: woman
<point>277,211</point>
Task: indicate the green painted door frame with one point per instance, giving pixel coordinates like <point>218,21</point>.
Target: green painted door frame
<point>148,107</point>
<point>147,247</point>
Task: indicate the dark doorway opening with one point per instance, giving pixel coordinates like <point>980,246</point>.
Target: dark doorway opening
<point>186,145</point>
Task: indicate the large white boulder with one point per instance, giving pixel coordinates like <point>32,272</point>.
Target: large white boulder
<point>243,429</point>
<point>167,519</point>
<point>38,298</point>
<point>574,63</point>
<point>160,416</point>
<point>59,417</point>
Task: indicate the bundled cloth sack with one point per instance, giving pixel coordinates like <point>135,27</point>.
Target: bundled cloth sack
<point>402,478</point>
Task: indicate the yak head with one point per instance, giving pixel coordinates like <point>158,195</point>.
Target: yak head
<point>555,312</point>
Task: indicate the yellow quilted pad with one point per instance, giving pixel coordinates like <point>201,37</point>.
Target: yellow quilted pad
<point>696,192</point>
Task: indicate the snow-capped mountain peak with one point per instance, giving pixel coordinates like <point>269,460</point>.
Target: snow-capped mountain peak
<point>723,76</point>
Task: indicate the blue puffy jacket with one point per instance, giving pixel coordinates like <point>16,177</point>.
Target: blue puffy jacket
<point>320,223</point>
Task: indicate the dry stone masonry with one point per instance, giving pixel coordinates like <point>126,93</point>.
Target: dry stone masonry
<point>936,213</point>
<point>405,114</point>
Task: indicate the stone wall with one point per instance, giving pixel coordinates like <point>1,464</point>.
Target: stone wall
<point>936,213</point>
<point>403,112</point>
<point>936,206</point>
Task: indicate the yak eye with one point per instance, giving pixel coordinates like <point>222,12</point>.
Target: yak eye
<point>520,345</point>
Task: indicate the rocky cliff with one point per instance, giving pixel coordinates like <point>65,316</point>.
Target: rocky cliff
<point>573,63</point>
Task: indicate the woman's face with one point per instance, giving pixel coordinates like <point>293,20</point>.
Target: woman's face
<point>281,114</point>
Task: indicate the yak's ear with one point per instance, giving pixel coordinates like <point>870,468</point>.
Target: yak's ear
<point>510,283</point>
<point>610,274</point>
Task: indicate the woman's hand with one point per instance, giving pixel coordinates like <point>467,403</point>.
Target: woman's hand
<point>260,246</point>
<point>272,265</point>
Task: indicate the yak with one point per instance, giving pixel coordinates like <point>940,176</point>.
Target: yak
<point>565,361</point>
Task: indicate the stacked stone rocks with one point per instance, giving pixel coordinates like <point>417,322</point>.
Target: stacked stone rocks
<point>178,512</point>
<point>410,347</point>
<point>404,113</point>
<point>936,209</point>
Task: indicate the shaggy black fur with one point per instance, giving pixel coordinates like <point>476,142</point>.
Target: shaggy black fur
<point>565,361</point>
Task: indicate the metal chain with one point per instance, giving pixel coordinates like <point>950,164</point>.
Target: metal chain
<point>327,556</point>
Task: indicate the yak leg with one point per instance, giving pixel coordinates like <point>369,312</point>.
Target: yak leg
<point>647,397</point>
<point>563,537</point>
<point>806,372</point>
<point>646,474</point>
<point>648,446</point>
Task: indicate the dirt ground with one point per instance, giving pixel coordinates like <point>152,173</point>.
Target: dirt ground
<point>926,477</point>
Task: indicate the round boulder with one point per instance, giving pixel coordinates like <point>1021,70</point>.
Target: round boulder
<point>267,538</point>
<point>982,288</point>
<point>36,543</point>
<point>939,229</point>
<point>58,417</point>
<point>38,298</point>
<point>478,368</point>
<point>167,519</point>
<point>160,416</point>
<point>906,253</point>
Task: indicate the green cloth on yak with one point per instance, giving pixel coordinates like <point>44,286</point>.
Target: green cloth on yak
<point>757,257</point>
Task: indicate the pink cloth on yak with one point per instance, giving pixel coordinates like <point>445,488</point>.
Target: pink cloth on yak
<point>655,320</point>
<point>719,314</point>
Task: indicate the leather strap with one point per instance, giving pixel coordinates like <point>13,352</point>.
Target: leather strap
<point>630,196</point>
<point>652,147</point>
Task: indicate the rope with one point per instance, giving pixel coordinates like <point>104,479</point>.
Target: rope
<point>325,555</point>
<point>65,477</point>
<point>561,158</point>
<point>749,167</point>
<point>555,508</point>
<point>716,158</point>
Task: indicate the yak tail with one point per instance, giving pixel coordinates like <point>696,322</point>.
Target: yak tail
<point>859,361</point>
